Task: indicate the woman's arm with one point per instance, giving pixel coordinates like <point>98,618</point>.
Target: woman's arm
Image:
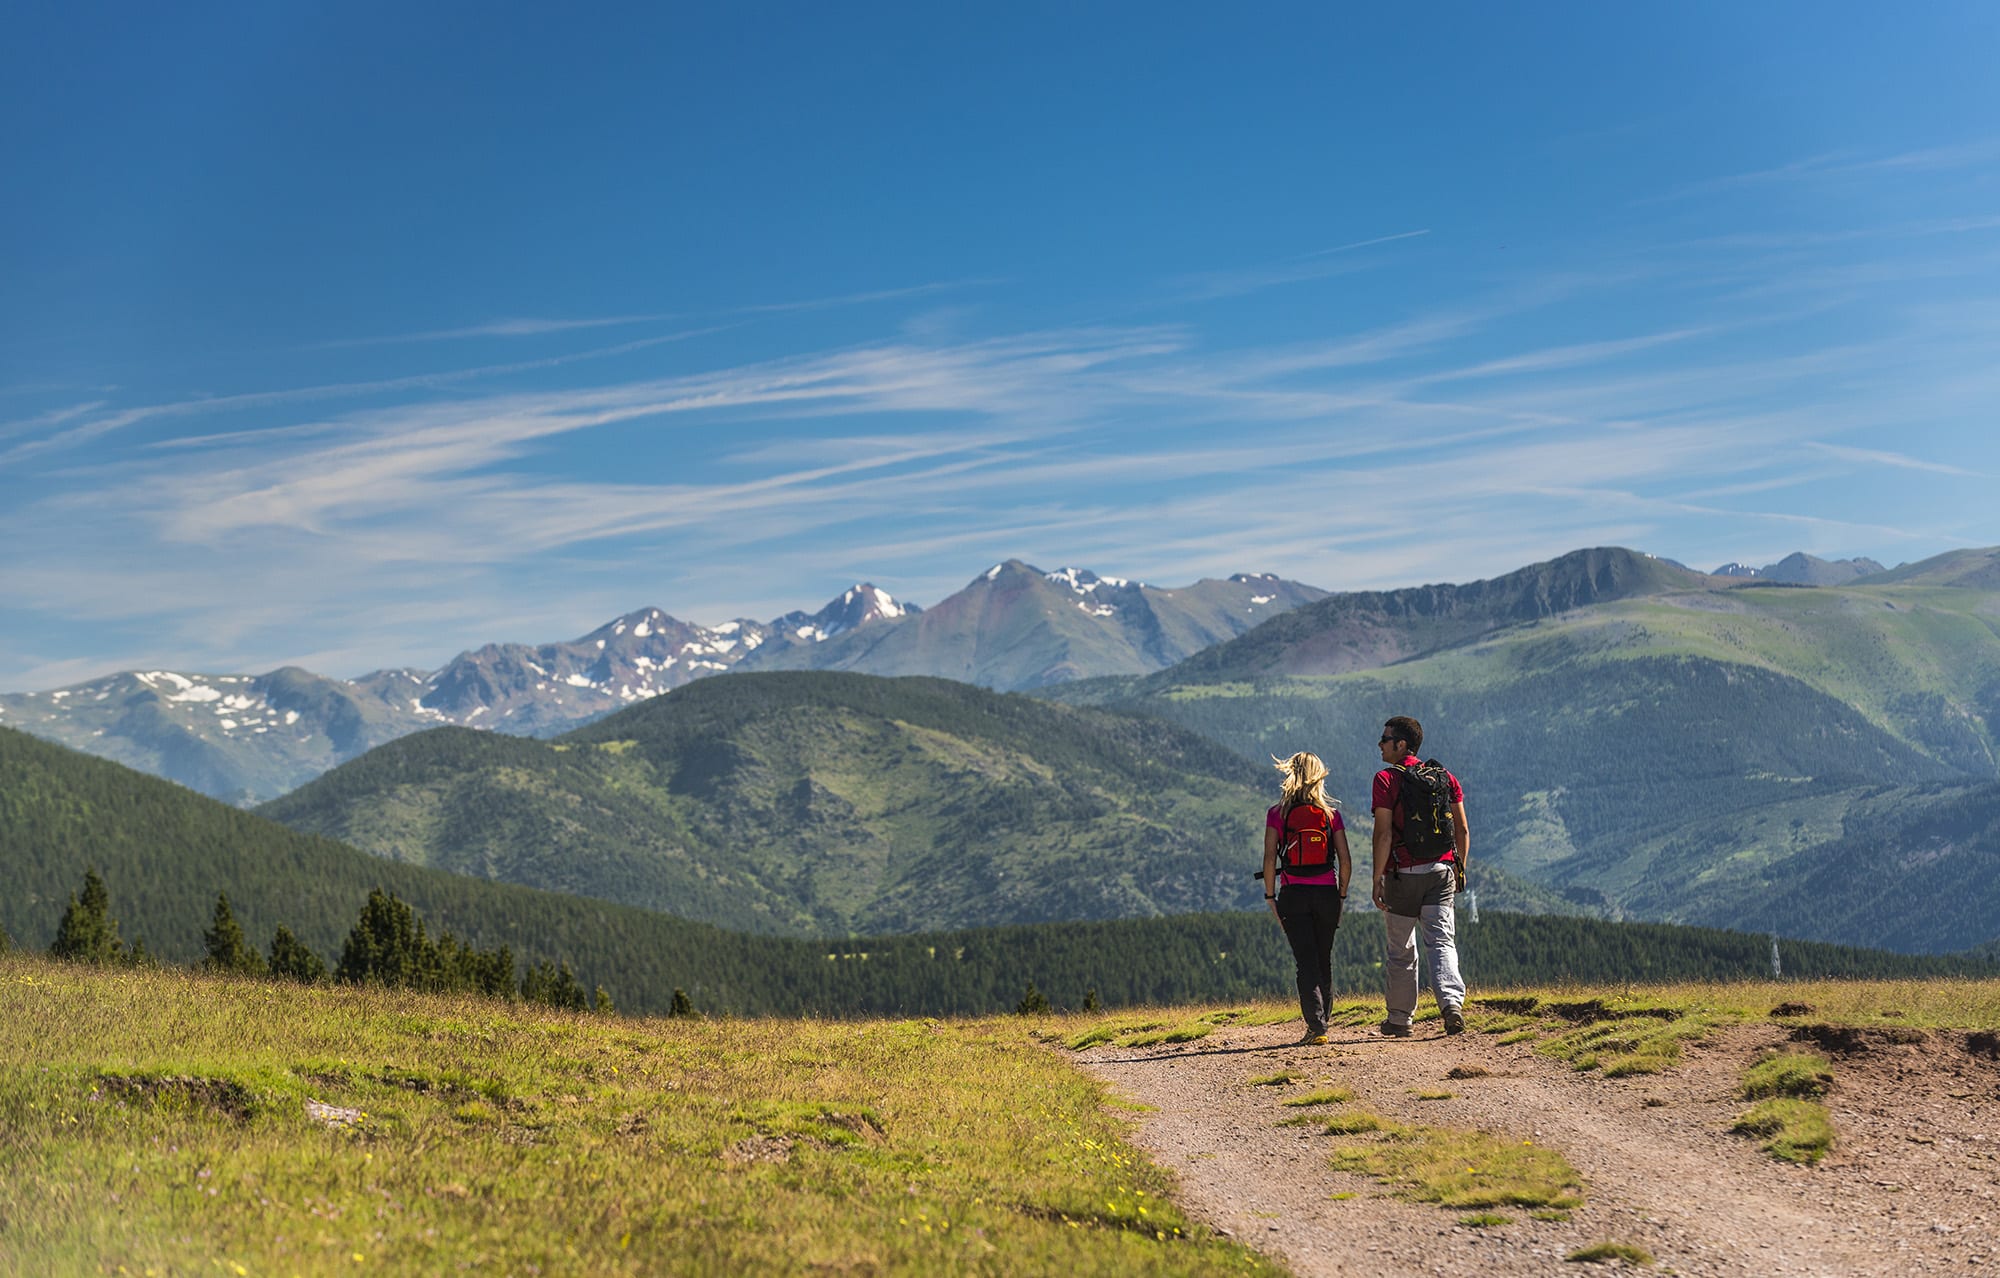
<point>1346,862</point>
<point>1271,869</point>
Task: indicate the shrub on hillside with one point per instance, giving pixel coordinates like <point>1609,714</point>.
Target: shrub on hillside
<point>388,946</point>
<point>553,985</point>
<point>88,933</point>
<point>291,959</point>
<point>227,948</point>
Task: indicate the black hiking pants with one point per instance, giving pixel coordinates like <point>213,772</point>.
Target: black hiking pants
<point>1311,915</point>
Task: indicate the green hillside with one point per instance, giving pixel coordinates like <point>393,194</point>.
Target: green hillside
<point>1663,755</point>
<point>1364,630</point>
<point>165,852</point>
<point>822,803</point>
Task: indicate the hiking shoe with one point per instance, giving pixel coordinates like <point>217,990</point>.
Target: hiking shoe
<point>1316,1038</point>
<point>1454,1021</point>
<point>1391,1029</point>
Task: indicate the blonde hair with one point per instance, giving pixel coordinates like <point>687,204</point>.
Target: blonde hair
<point>1302,780</point>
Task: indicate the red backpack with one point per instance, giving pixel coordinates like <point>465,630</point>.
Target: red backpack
<point>1305,841</point>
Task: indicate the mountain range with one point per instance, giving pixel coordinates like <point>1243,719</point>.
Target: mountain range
<point>1637,741</point>
<point>248,738</point>
<point>1805,570</point>
<point>1652,742</point>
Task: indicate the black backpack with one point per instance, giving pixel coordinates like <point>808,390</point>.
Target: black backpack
<point>1430,829</point>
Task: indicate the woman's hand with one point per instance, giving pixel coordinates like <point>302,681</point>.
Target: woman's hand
<point>1272,901</point>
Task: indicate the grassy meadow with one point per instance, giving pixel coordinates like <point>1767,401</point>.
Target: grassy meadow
<point>163,1122</point>
<point>169,1122</point>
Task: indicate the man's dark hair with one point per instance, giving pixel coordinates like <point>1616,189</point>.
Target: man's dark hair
<point>1405,729</point>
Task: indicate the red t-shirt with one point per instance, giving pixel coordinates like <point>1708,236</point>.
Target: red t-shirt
<point>1389,794</point>
<point>1273,821</point>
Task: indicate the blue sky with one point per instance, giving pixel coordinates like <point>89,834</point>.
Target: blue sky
<point>353,336</point>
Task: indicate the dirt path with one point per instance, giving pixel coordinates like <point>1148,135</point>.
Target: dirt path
<point>1910,1187</point>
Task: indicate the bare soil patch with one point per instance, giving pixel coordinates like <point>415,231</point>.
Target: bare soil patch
<point>1909,1188</point>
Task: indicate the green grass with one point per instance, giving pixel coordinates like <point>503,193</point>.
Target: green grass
<point>1279,1079</point>
<point>1485,1220</point>
<point>1268,1014</point>
<point>1598,1253</point>
<point>1176,1034</point>
<point>1324,1096</point>
<point>1109,1032</point>
<point>1357,1122</point>
<point>1430,1095</point>
<point>1519,1036</point>
<point>1466,1169</point>
<point>1551,1215</point>
<point>156,1120</point>
<point>1796,1131</point>
<point>1799,1074</point>
<point>1622,1038</point>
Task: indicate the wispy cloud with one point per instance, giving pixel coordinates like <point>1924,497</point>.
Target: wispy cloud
<point>861,299</point>
<point>1362,244</point>
<point>496,328</point>
<point>1899,461</point>
<point>1148,450</point>
<point>104,423</point>
<point>1844,165</point>
<point>1318,264</point>
<point>531,327</point>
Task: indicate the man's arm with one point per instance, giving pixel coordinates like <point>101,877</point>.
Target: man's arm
<point>1384,834</point>
<point>1462,841</point>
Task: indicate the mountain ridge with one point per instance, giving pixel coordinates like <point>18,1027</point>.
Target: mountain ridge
<point>248,738</point>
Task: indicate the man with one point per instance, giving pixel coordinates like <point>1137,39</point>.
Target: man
<point>1416,878</point>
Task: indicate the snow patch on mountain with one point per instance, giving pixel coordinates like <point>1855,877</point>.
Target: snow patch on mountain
<point>1083,581</point>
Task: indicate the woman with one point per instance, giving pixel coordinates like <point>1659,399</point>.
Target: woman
<point>1305,850</point>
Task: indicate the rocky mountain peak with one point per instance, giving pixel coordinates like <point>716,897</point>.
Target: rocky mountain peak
<point>1084,582</point>
<point>857,606</point>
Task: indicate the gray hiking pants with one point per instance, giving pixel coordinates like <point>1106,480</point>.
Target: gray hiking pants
<point>1421,901</point>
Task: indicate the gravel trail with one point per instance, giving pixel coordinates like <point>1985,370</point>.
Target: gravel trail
<point>1910,1187</point>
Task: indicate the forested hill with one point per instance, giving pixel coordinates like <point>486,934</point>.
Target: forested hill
<point>828,803</point>
<point>165,852</point>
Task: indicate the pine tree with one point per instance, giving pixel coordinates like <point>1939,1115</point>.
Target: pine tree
<point>1032,1002</point>
<point>386,945</point>
<point>293,961</point>
<point>1090,999</point>
<point>682,1005</point>
<point>6,941</point>
<point>227,949</point>
<point>604,1000</point>
<point>553,985</point>
<point>88,933</point>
